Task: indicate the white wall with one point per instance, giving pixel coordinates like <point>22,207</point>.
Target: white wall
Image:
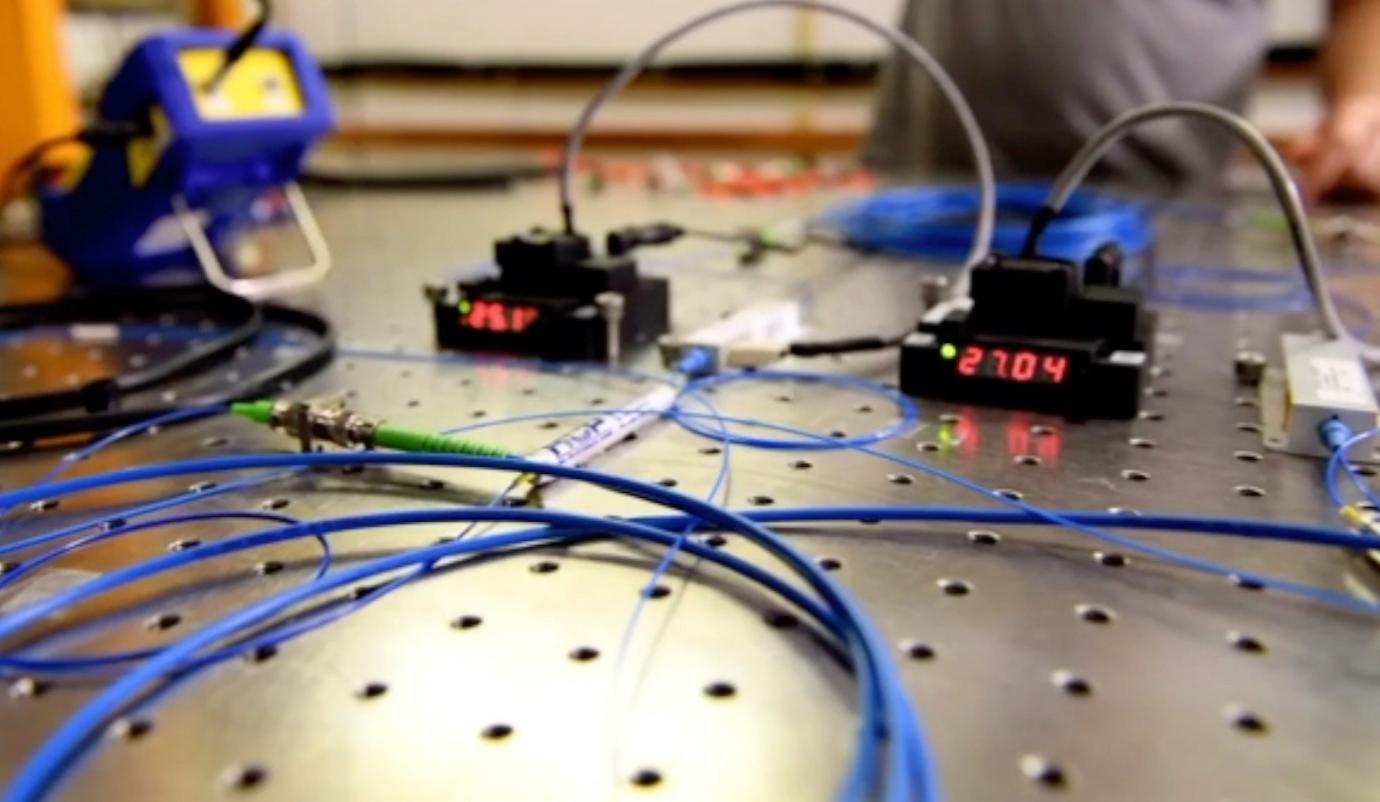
<point>566,30</point>
<point>605,31</point>
<point>559,30</point>
<point>608,30</point>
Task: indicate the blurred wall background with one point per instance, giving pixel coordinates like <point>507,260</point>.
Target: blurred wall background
<point>516,71</point>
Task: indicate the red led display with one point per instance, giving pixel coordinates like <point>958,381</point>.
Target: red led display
<point>499,317</point>
<point>1018,365</point>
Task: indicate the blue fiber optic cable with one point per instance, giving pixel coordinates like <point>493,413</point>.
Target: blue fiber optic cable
<point>48,764</point>
<point>1123,522</point>
<point>1002,516</point>
<point>906,514</point>
<point>1240,527</point>
<point>1339,460</point>
<point>140,510</point>
<point>86,452</point>
<point>663,565</point>
<point>11,497</point>
<point>909,413</point>
<point>1300,533</point>
<point>89,662</point>
<point>709,513</point>
<point>1246,528</point>
<point>936,221</point>
<point>1167,555</point>
<point>91,449</point>
<point>26,566</point>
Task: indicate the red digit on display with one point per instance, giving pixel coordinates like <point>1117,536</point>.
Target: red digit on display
<point>999,356</point>
<point>498,317</point>
<point>1055,367</point>
<point>968,363</point>
<point>1023,367</point>
<point>523,316</point>
<point>489,315</point>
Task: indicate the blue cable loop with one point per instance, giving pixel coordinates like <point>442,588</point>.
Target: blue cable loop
<point>936,222</point>
<point>48,765</point>
<point>909,412</point>
<point>870,653</point>
<point>912,748</point>
<point>1339,460</point>
<point>1226,526</point>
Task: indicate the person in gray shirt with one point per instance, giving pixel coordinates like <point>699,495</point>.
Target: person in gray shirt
<point>1044,75</point>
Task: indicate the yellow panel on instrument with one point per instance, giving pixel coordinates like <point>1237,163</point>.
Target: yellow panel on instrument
<point>143,153</point>
<point>261,84</point>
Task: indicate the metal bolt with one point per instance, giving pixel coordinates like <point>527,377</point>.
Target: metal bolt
<point>1249,367</point>
<point>611,310</point>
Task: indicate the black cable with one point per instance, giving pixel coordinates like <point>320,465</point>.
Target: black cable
<point>271,381</point>
<point>845,345</point>
<point>241,44</point>
<point>626,239</point>
<point>97,133</point>
<point>1038,223</point>
<point>244,319</point>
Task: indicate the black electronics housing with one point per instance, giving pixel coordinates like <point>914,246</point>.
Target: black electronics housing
<point>1037,338</point>
<point>544,302</point>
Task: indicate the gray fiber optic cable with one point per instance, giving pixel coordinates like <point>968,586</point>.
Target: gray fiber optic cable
<point>1280,182</point>
<point>987,204</point>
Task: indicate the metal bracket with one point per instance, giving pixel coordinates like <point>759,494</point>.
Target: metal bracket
<point>262,286</point>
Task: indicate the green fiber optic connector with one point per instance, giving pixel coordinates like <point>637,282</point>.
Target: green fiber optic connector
<point>400,439</point>
<point>258,411</point>
<point>337,425</point>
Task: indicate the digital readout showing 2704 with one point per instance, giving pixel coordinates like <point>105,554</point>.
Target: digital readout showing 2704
<point>1019,365</point>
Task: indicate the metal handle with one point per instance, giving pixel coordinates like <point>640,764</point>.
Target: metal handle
<point>260,286</point>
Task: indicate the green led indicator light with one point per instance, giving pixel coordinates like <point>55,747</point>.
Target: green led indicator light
<point>948,350</point>
<point>465,307</point>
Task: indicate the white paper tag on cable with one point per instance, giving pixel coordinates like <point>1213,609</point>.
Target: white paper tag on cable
<point>94,332</point>
<point>1340,381</point>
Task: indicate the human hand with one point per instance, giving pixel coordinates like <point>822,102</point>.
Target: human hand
<point>1342,156</point>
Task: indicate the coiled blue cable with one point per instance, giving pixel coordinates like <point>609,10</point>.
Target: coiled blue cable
<point>51,760</point>
<point>867,512</point>
<point>875,681</point>
<point>936,222</point>
<point>1303,534</point>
